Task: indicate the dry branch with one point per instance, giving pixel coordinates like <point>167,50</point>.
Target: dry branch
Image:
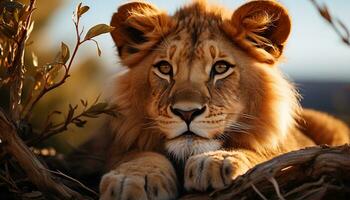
<point>34,169</point>
<point>313,173</point>
<point>337,25</point>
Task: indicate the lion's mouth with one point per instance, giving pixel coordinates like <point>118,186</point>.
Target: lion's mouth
<point>190,135</point>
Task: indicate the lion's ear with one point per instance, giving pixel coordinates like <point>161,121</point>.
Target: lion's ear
<point>138,27</point>
<point>265,24</point>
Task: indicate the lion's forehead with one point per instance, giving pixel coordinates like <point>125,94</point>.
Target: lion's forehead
<point>195,28</point>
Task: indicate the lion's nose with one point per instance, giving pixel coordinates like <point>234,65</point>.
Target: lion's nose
<point>188,115</point>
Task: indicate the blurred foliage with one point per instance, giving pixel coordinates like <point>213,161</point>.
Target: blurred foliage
<point>40,73</point>
<point>86,81</point>
<point>30,111</point>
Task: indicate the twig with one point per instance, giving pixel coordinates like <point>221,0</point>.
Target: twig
<point>73,180</point>
<point>277,188</point>
<point>324,12</point>
<point>314,170</point>
<point>258,192</point>
<point>306,185</point>
<point>9,182</point>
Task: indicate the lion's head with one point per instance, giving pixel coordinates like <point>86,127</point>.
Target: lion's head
<point>202,79</point>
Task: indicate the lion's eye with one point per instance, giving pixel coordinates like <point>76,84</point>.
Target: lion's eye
<point>220,67</point>
<point>164,67</point>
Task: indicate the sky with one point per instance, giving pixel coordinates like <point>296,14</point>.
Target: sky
<point>313,52</point>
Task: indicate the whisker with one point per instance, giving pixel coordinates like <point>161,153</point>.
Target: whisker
<point>223,136</point>
<point>241,114</point>
<point>237,131</point>
<point>237,126</point>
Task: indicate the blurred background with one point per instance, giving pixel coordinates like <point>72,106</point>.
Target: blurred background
<point>315,57</point>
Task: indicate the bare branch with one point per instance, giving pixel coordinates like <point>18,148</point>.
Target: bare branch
<point>298,174</point>
<point>335,23</point>
<point>88,112</point>
<point>75,181</point>
<point>319,172</point>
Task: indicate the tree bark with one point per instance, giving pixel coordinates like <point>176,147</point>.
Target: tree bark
<point>313,173</point>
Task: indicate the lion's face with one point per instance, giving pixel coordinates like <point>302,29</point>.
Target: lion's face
<point>195,90</point>
<point>205,78</point>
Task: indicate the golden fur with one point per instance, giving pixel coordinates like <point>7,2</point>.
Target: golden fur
<point>247,115</point>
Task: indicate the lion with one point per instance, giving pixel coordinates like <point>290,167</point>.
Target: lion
<point>202,99</point>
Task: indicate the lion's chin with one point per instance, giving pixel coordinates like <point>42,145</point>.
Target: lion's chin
<point>182,147</point>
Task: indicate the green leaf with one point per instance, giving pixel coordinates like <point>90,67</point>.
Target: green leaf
<point>112,112</point>
<point>77,9</point>
<point>98,30</point>
<point>82,10</point>
<point>64,52</point>
<point>56,112</point>
<point>97,108</point>
<point>79,123</point>
<point>84,102</point>
<point>70,114</point>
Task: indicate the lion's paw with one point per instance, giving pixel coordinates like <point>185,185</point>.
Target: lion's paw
<point>213,170</point>
<point>151,186</point>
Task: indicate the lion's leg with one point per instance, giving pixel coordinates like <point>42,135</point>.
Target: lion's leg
<point>217,169</point>
<point>144,175</point>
